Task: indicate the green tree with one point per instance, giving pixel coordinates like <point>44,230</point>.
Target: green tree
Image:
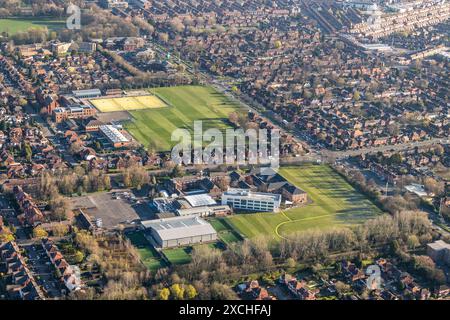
<point>39,232</point>
<point>413,241</point>
<point>177,171</point>
<point>191,292</point>
<point>164,294</point>
<point>78,256</point>
<point>177,291</point>
<point>6,235</point>
<point>28,152</point>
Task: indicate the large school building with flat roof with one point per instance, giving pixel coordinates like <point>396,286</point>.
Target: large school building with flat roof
<point>244,199</point>
<point>179,231</point>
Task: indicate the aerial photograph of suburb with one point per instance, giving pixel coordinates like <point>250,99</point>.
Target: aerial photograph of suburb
<point>219,158</point>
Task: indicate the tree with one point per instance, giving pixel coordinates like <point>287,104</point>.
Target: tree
<point>434,186</point>
<point>163,37</point>
<point>107,182</point>
<point>291,263</point>
<point>222,292</point>
<point>342,288</point>
<point>28,152</point>
<point>177,25</point>
<point>135,176</point>
<point>78,256</point>
<point>164,294</point>
<point>177,172</point>
<point>39,232</point>
<point>177,291</point>
<point>6,235</point>
<point>60,230</point>
<point>181,68</point>
<point>23,102</point>
<point>191,292</point>
<point>439,277</point>
<point>396,159</point>
<point>60,207</point>
<point>413,241</point>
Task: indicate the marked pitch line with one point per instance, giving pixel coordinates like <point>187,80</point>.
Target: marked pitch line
<point>297,220</point>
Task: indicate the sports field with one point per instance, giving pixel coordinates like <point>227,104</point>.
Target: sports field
<point>15,25</point>
<point>225,231</point>
<point>334,203</point>
<point>128,103</point>
<point>186,104</point>
<point>178,255</point>
<point>149,256</point>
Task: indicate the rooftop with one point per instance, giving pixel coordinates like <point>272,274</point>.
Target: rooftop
<point>439,245</point>
<point>202,199</point>
<point>244,193</point>
<point>78,93</point>
<point>179,227</point>
<point>113,134</point>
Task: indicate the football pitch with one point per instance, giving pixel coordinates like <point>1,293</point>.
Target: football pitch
<point>15,25</point>
<point>128,103</point>
<point>148,255</point>
<point>334,203</point>
<point>186,105</point>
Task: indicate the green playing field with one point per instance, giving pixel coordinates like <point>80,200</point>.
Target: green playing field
<point>15,25</point>
<point>186,104</point>
<point>334,203</point>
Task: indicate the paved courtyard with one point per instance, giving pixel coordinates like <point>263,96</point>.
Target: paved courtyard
<point>113,208</point>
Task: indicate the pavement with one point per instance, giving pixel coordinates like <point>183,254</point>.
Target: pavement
<point>114,209</point>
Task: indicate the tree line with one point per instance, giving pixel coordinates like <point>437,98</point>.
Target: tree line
<point>213,272</point>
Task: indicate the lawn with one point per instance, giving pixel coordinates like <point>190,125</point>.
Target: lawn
<point>128,103</point>
<point>186,104</point>
<point>334,203</point>
<point>149,256</point>
<point>225,231</point>
<point>15,25</point>
<point>178,255</point>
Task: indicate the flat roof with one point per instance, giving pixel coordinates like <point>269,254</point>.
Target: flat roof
<point>244,193</point>
<point>113,134</point>
<point>201,199</point>
<point>418,189</point>
<point>179,227</point>
<point>195,210</point>
<point>86,92</point>
<point>439,245</point>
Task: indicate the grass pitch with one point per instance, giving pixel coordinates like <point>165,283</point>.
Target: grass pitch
<point>149,256</point>
<point>225,231</point>
<point>335,203</point>
<point>186,104</point>
<point>128,103</point>
<point>178,255</point>
<point>12,26</point>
